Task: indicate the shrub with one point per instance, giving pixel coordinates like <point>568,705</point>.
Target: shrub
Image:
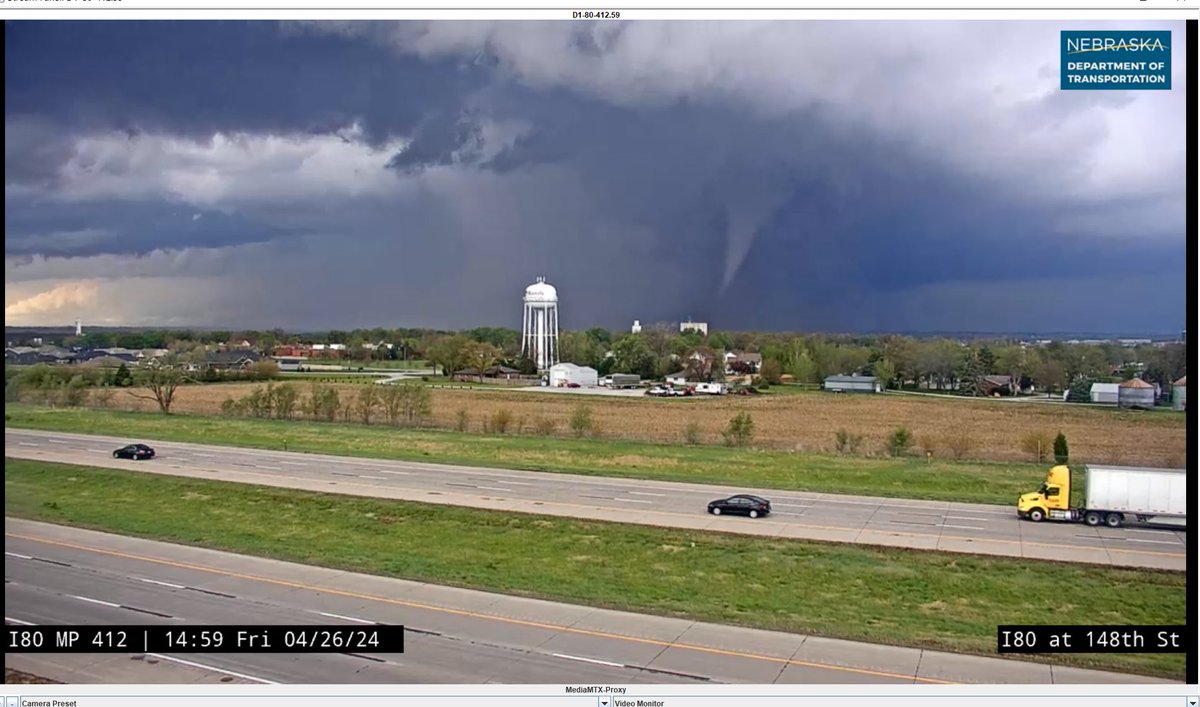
<point>500,421</point>
<point>959,443</point>
<point>1037,444</point>
<point>740,431</point>
<point>691,433</point>
<point>581,420</point>
<point>844,442</point>
<point>544,426</point>
<point>231,407</point>
<point>462,420</point>
<point>283,400</point>
<point>899,442</point>
<point>1061,454</point>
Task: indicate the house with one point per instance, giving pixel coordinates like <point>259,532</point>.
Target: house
<point>679,378</point>
<point>740,362</point>
<point>292,350</point>
<point>503,372</point>
<point>852,384</point>
<point>1179,394</point>
<point>55,355</point>
<point>701,327</point>
<point>1105,393</point>
<point>233,360</point>
<point>104,361</point>
<point>21,355</point>
<point>997,385</point>
<point>563,375</point>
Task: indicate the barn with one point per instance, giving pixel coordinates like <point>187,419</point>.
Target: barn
<point>1105,393</point>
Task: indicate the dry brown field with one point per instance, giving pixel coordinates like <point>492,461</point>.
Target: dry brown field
<point>801,422</point>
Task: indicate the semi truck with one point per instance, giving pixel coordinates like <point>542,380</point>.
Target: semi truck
<point>1113,495</point>
<point>624,380</point>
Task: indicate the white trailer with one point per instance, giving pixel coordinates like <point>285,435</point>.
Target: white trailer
<point>1150,495</point>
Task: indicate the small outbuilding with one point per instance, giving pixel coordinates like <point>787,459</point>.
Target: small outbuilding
<point>1136,393</point>
<point>853,384</point>
<point>569,375</point>
<point>1105,393</point>
<point>1179,394</point>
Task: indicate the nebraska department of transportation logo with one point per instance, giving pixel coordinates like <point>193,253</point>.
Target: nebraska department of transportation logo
<point>1105,60</point>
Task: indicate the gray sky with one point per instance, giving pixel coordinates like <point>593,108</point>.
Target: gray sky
<point>838,176</point>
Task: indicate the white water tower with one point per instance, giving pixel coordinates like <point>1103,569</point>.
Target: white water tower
<point>539,327</point>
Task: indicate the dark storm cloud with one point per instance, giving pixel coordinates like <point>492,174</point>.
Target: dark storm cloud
<point>196,77</point>
<point>703,192</point>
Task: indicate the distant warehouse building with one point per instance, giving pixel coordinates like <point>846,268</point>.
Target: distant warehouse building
<point>564,375</point>
<point>1179,394</point>
<point>1136,393</point>
<point>852,384</point>
<point>1105,393</point>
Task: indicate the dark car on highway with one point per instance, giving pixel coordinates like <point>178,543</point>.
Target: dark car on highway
<point>742,504</point>
<point>134,451</point>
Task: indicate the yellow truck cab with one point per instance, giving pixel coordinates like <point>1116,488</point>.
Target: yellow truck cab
<point>1054,495</point>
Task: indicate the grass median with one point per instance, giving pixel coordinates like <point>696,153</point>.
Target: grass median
<point>931,600</point>
<point>972,482</point>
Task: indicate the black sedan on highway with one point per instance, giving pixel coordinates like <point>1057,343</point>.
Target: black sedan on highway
<point>741,504</point>
<point>134,451</point>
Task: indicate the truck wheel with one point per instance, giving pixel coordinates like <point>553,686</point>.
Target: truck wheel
<point>1037,515</point>
<point>1093,518</point>
<point>1113,520</point>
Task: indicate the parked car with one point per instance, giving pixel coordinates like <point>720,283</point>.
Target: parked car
<point>658,391</point>
<point>741,504</point>
<point>134,451</point>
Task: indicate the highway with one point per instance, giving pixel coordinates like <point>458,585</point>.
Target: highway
<point>60,575</point>
<point>930,525</point>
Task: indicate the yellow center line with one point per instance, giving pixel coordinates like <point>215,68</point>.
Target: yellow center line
<point>105,464</point>
<point>467,613</point>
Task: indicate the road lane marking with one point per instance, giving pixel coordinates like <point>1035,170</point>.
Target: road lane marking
<point>27,444</point>
<point>10,620</point>
<point>204,666</point>
<point>646,493</point>
<point>977,520</point>
<point>632,500</point>
<point>202,454</point>
<point>505,481</point>
<point>589,660</point>
<point>962,527</point>
<point>470,614</point>
<point>1157,542</point>
<point>397,473</point>
<point>13,554</point>
<point>95,601</point>
<point>374,478</point>
<point>161,584</point>
<point>272,468</point>
<point>692,516</point>
<point>289,463</point>
<point>339,616</point>
<point>492,488</point>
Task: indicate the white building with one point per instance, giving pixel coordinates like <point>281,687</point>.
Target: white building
<point>636,328</point>
<point>539,325</point>
<point>563,375</point>
<point>701,327</point>
<point>1105,393</point>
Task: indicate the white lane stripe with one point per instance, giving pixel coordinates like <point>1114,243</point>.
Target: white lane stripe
<point>13,554</point>
<point>789,505</point>
<point>272,468</point>
<point>397,473</point>
<point>292,463</point>
<point>645,493</point>
<point>95,601</point>
<point>589,660</point>
<point>339,616</point>
<point>977,520</point>
<point>10,620</point>
<point>57,441</point>
<point>27,444</point>
<point>202,666</point>
<point>1156,542</point>
<point>376,478</point>
<point>632,500</point>
<point>491,488</point>
<point>1146,532</point>
<point>95,451</point>
<point>162,584</point>
<point>514,483</point>
<point>962,527</point>
<point>202,454</point>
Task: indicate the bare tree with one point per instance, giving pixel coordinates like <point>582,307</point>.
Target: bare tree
<point>161,383</point>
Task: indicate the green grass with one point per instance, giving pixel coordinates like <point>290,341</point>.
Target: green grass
<point>932,600</point>
<point>399,365</point>
<point>977,482</point>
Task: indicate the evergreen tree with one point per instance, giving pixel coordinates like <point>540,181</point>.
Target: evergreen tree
<point>1060,449</point>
